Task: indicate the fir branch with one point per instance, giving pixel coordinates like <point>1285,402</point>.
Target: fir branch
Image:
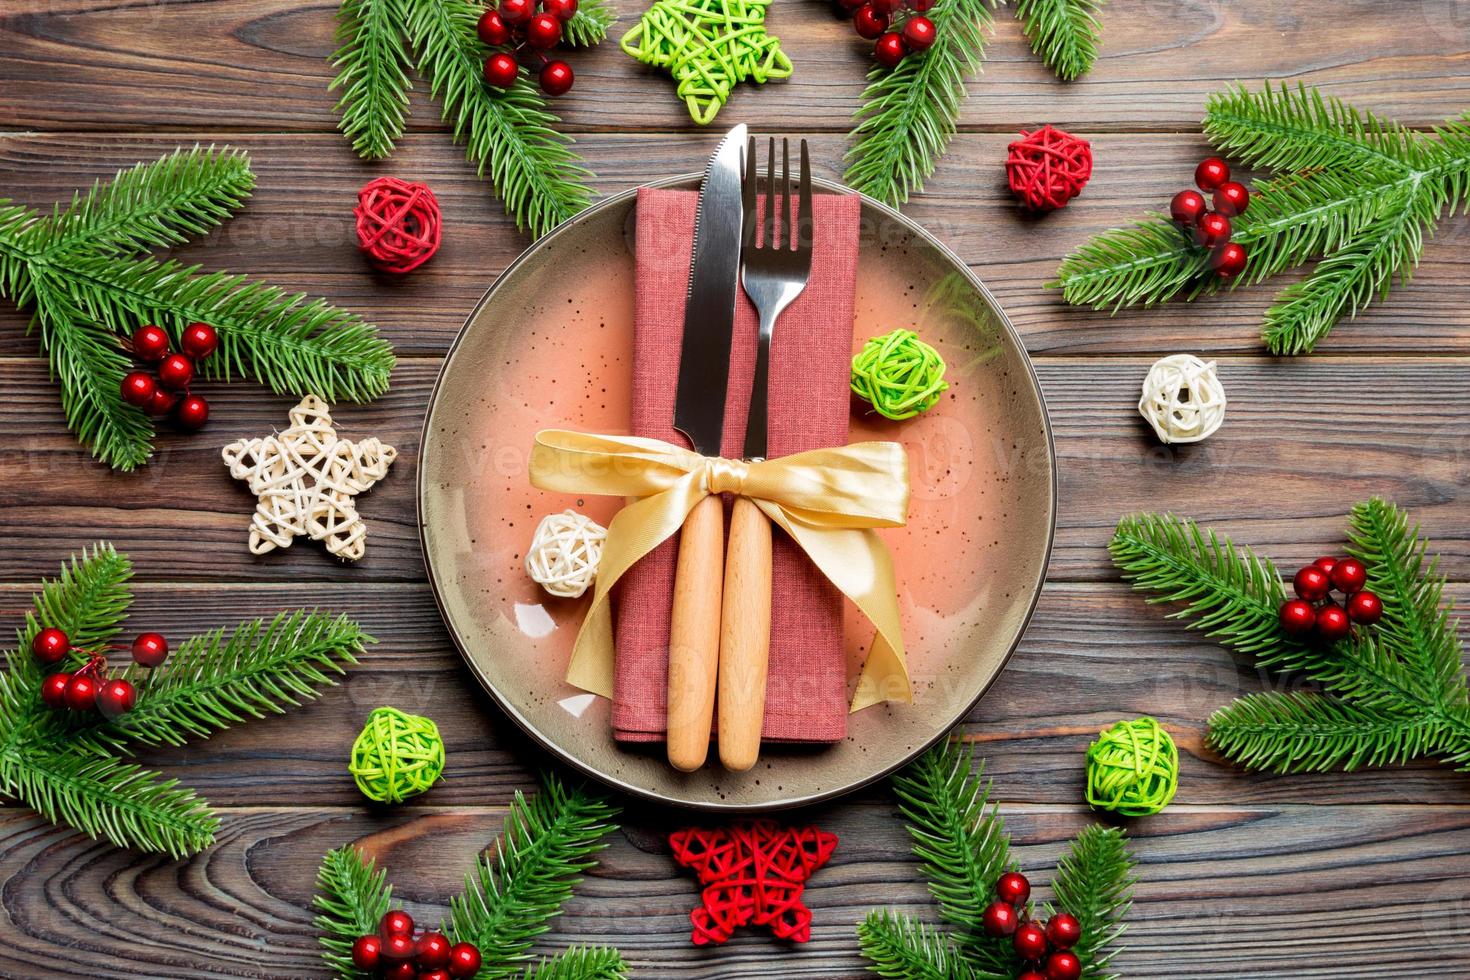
<point>909,113</point>
<point>352,895</point>
<point>1095,883</point>
<point>1065,33</point>
<point>88,600</point>
<point>580,963</point>
<point>961,841</point>
<point>509,133</point>
<point>105,797</point>
<point>1312,732</point>
<point>899,948</point>
<point>372,60</point>
<point>548,841</point>
<point>590,25</point>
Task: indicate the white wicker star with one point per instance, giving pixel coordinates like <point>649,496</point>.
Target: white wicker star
<point>306,478</point>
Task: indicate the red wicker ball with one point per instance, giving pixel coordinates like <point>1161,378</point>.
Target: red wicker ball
<point>397,224</point>
<point>1048,168</point>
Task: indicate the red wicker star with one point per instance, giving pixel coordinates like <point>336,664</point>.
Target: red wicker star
<point>753,874</point>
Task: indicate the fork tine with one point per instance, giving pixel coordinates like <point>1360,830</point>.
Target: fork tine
<point>748,198</point>
<point>768,234</point>
<point>786,226</point>
<point>804,229</point>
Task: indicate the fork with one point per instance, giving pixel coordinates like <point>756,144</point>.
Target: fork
<point>773,271</point>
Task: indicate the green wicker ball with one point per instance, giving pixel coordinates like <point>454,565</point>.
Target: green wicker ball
<point>1132,768</point>
<point>899,374</point>
<point>397,755</point>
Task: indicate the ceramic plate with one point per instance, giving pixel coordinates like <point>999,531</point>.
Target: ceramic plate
<point>549,345</point>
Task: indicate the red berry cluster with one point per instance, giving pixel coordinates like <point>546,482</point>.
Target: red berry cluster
<point>1315,611</point>
<point>1045,950</point>
<point>518,25</point>
<point>175,372</point>
<point>393,952</point>
<point>1212,228</point>
<point>872,20</point>
<point>88,687</point>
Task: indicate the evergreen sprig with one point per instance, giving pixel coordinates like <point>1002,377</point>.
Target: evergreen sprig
<point>963,848</point>
<point>82,272</point>
<point>548,841</point>
<point>67,768</point>
<point>1355,190</point>
<point>1388,694</point>
<point>1065,33</point>
<point>510,133</point>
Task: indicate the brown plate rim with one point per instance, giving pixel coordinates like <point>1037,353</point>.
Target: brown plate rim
<point>567,758</point>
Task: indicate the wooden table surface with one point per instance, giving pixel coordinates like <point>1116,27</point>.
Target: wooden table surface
<point>1355,876</point>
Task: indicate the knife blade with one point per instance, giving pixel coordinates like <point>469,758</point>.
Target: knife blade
<point>699,413</point>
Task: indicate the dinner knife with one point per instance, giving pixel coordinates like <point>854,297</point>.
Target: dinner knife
<point>699,413</point>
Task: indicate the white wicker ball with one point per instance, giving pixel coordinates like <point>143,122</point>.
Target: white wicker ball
<point>1183,399</point>
<point>565,553</point>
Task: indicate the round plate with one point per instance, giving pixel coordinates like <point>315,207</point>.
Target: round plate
<point>550,345</point>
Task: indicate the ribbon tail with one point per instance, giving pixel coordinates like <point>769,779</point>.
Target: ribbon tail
<point>857,562</point>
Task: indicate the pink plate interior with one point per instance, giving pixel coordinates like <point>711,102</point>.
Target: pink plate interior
<point>549,346</point>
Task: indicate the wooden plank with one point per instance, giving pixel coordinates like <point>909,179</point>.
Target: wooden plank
<point>297,232</point>
<point>1093,654</point>
<point>263,64</point>
<point>1230,892</point>
<point>1303,441</point>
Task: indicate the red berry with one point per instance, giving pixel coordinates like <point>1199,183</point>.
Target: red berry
<point>1211,173</point>
<point>1298,617</point>
<point>1311,583</point>
<point>1332,622</point>
<point>921,6</point>
<point>199,341</point>
<point>868,22</point>
<point>1349,575</point>
<point>434,975</point>
<point>1000,919</point>
<point>919,33</point>
<point>162,402</point>
<point>175,372</point>
<point>1213,230</point>
<point>1187,207</point>
<point>137,389</point>
<point>1030,941</point>
<point>1229,261</point>
<point>1063,930</point>
<point>150,650</point>
<point>150,343</point>
<point>517,11</point>
<point>562,10</point>
<point>1063,965</point>
<point>116,697</point>
<point>53,690</point>
<point>543,31</point>
<point>398,948</point>
<point>431,951</point>
<point>401,971</point>
<point>464,960</point>
<point>192,412</point>
<point>1013,888</point>
<point>885,7</point>
<point>367,952</point>
<point>81,692</point>
<point>556,78</point>
<point>396,923</point>
<point>1032,975</point>
<point>501,70</point>
<point>1231,198</point>
<point>492,29</point>
<point>50,645</point>
<point>889,49</point>
<point>1327,563</point>
<point>1365,607</point>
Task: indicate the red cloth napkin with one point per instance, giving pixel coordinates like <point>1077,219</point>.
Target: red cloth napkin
<point>811,353</point>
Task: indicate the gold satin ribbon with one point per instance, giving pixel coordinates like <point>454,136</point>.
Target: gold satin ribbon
<point>827,500</point>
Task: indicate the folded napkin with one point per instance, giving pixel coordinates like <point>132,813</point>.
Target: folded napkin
<point>806,695</point>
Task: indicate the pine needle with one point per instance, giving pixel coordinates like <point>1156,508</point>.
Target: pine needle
<point>1095,883</point>
<point>1065,33</point>
<point>899,948</point>
<point>591,24</point>
<point>372,61</point>
<point>580,963</point>
<point>352,896</point>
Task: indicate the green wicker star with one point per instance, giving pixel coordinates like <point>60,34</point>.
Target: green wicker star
<point>709,46</point>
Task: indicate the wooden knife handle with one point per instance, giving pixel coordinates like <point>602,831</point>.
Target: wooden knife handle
<point>745,636</point>
<point>694,634</point>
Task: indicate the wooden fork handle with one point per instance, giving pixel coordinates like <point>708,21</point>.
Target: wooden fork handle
<point>745,636</point>
<point>694,634</point>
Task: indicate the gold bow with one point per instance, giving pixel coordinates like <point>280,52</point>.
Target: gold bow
<point>827,500</point>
